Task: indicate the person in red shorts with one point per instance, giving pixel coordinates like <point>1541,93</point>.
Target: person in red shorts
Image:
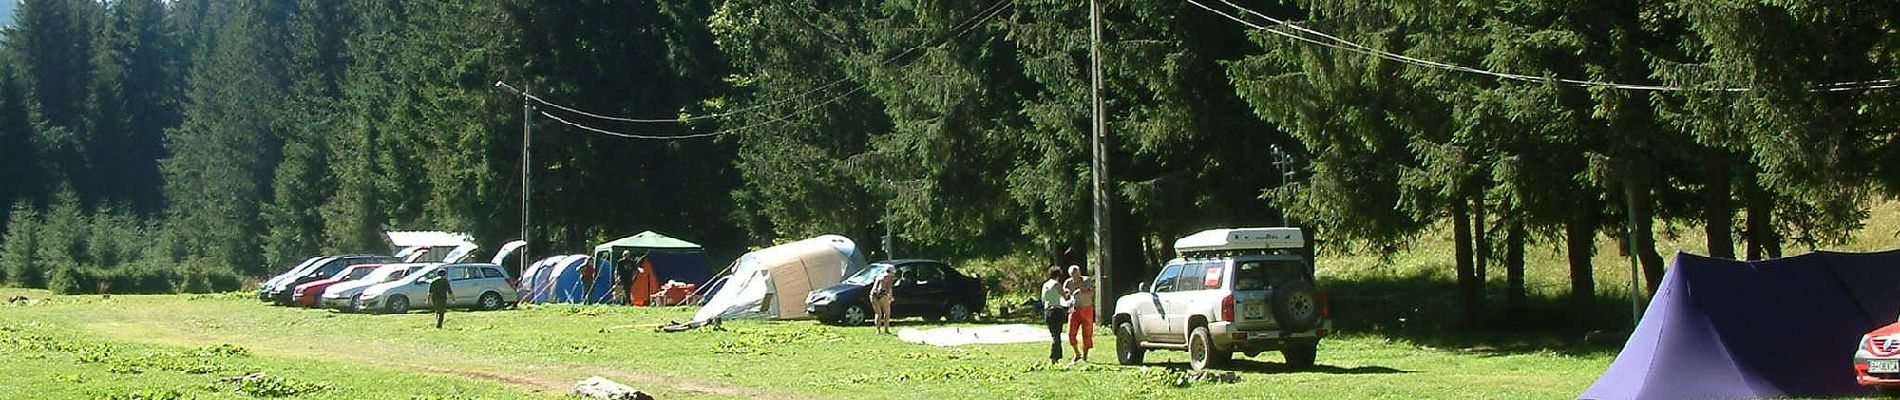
<point>1079,290</point>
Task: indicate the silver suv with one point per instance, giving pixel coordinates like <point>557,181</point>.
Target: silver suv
<point>1249,290</point>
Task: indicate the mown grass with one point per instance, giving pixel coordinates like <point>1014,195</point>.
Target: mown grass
<point>539,350</point>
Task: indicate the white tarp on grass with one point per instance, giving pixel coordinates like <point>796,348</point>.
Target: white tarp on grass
<point>993,334</point>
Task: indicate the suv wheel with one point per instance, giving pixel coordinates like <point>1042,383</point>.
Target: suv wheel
<point>1128,349</point>
<point>491,301</point>
<point>1296,305</point>
<point>1202,353</point>
<point>853,315</point>
<point>1300,354</point>
<point>398,304</point>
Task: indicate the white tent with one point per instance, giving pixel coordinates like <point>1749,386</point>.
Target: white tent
<point>773,282</point>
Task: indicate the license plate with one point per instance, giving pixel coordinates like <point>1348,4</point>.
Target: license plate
<point>1255,312</point>
<point>1883,366</point>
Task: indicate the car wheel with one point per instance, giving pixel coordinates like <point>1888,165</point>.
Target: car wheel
<point>1300,354</point>
<point>1128,349</point>
<point>854,314</point>
<point>1201,351</point>
<point>958,313</point>
<point>491,301</point>
<point>398,304</point>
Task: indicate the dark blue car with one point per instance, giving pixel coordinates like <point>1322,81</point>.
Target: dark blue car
<point>925,288</point>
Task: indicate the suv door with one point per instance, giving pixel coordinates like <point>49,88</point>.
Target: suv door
<point>1155,326</point>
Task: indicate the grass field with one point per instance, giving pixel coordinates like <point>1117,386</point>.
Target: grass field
<point>1395,312</point>
<point>158,346</point>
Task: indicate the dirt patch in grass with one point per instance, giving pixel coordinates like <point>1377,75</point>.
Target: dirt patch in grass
<point>555,378</point>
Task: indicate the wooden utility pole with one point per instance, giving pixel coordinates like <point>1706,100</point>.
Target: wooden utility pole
<point>1098,162</point>
<point>527,133</point>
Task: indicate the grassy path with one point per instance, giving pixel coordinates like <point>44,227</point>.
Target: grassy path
<point>541,351</point>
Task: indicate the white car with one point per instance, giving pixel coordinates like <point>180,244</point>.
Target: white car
<point>1249,290</point>
<point>478,286</point>
<point>264,289</point>
<point>342,296</point>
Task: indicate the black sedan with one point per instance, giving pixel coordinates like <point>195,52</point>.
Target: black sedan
<point>925,288</point>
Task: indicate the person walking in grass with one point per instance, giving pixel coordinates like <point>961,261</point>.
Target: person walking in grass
<point>439,295</point>
<point>881,298</point>
<point>1080,292</point>
<point>1054,312</point>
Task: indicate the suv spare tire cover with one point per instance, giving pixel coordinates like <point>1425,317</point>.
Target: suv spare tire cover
<point>1296,305</point>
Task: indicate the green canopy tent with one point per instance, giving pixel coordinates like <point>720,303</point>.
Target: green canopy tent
<point>672,259</point>
<point>647,241</point>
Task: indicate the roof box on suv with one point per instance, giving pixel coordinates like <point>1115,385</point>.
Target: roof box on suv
<point>1241,239</point>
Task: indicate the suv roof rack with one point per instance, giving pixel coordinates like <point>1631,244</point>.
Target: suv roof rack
<point>1242,240</point>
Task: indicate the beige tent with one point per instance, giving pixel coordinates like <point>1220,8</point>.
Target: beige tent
<point>773,282</point>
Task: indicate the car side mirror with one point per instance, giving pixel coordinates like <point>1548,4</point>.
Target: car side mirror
<point>1141,287</point>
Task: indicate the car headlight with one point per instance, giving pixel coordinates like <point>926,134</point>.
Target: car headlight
<point>819,298</point>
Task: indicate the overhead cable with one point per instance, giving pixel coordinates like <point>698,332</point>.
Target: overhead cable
<point>1350,46</point>
<point>956,30</point>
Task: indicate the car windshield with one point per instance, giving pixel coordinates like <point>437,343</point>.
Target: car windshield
<point>1263,274</point>
<point>868,274</point>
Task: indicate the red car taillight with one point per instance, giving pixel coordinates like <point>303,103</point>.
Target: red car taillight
<point>1227,308</point>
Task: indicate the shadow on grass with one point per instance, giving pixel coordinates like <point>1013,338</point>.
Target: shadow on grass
<point>1424,309</point>
<point>1267,367</point>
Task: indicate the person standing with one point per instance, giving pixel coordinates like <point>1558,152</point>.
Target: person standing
<point>1054,313</point>
<point>624,271</point>
<point>587,280</point>
<point>439,295</point>
<point>881,297</point>
<point>1080,292</point>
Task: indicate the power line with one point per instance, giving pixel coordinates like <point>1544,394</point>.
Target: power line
<point>960,29</point>
<point>956,30</point>
<point>1350,46</point>
<point>773,119</point>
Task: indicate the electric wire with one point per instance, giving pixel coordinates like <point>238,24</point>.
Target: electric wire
<point>991,12</point>
<point>955,31</point>
<point>1350,46</point>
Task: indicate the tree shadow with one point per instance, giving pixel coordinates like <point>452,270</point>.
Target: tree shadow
<point>1269,367</point>
<point>1424,310</point>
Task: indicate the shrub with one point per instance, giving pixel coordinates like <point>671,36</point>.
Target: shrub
<point>19,248</point>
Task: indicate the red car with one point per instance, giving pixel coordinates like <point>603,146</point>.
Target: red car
<point>309,294</point>
<point>1877,360</point>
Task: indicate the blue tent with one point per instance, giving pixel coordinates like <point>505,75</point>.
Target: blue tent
<point>672,259</point>
<point>1755,329</point>
<point>558,280</point>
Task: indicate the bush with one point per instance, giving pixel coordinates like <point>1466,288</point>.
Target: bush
<point>71,281</point>
<point>19,247</point>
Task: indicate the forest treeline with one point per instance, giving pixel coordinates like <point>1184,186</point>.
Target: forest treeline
<point>157,146</point>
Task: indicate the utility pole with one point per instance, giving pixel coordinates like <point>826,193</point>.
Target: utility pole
<point>527,132</point>
<point>1636,290</point>
<point>890,242</point>
<point>1104,256</point>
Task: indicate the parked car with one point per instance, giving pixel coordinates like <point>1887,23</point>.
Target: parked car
<point>264,289</point>
<point>307,294</point>
<point>925,288</point>
<point>479,286</point>
<point>342,296</point>
<point>282,291</point>
<point>1877,360</point>
<point>1249,290</point>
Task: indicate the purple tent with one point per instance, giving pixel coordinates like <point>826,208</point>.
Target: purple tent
<point>1786,327</point>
